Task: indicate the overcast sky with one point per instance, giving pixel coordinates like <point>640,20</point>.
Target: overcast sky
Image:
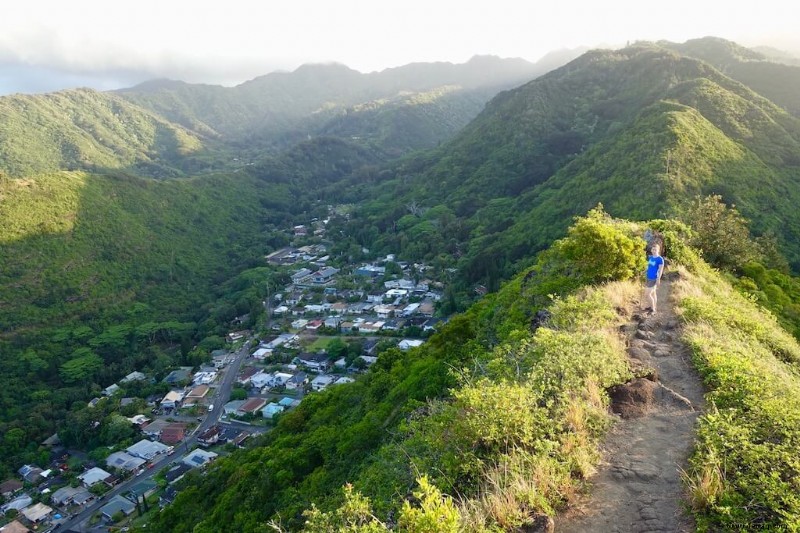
<point>48,45</point>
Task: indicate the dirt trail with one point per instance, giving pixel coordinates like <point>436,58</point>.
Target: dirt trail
<point>638,486</point>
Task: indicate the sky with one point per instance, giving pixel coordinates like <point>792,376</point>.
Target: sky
<point>51,45</point>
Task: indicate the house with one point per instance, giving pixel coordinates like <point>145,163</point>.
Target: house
<point>300,323</point>
<point>232,407</point>
<point>196,395</point>
<point>371,271</point>
<point>314,325</point>
<point>93,402</point>
<point>370,327</point>
<point>125,402</point>
<point>383,311</point>
<point>205,376</point>
<point>371,345</point>
<point>178,376</point>
<point>147,449</point>
<point>394,324</point>
<point>280,310</point>
<point>143,488</point>
<point>19,503</point>
<point>14,527</point>
<point>332,322</point>
<point>176,473</point>
<point>117,504</point>
<point>111,389</point>
<point>322,381</point>
<point>340,363</point>
<point>342,380</point>
<point>410,309</point>
<point>153,429</point>
<point>375,297</point>
<point>271,410</point>
<point>287,339</point>
<point>324,276</point>
<point>168,496</point>
<point>173,434</point>
<point>93,476</point>
<point>245,374</point>
<point>67,495</point>
<point>280,379</point>
<point>210,436</point>
<point>261,380</point>
<point>407,344</point>
<point>431,324</point>
<point>297,381</point>
<point>368,359</point>
<point>133,376</point>
<point>138,420</point>
<point>251,406</point>
<point>199,457</point>
<point>172,399</point>
<point>426,308</point>
<point>37,513</point>
<point>262,353</point>
<point>301,275</point>
<point>234,336</point>
<point>9,487</point>
<point>30,473</point>
<point>287,402</point>
<point>124,461</point>
<point>315,361</point>
<point>339,308</point>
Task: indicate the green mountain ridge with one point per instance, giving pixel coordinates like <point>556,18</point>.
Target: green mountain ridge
<point>84,129</point>
<point>641,130</point>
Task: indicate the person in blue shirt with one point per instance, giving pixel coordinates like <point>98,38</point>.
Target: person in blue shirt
<point>655,267</point>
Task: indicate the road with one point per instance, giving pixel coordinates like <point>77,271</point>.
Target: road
<point>80,521</point>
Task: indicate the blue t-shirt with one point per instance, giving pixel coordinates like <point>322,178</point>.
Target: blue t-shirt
<point>653,263</point>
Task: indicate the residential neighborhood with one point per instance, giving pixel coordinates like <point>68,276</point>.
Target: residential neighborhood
<point>322,329</point>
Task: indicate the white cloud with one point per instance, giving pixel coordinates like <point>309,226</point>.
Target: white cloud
<point>230,41</point>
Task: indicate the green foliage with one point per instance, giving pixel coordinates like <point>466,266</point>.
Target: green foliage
<point>744,466</point>
<point>721,233</point>
<point>598,252</point>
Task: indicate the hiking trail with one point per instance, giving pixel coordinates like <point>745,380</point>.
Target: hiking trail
<point>638,486</point>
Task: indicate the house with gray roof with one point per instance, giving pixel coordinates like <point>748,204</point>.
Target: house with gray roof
<point>117,504</point>
<point>147,449</point>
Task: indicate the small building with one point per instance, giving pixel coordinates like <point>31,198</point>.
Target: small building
<point>271,410</point>
<point>147,449</point>
<point>30,473</point>
<point>145,487</point>
<point>168,496</point>
<point>368,359</point>
<point>67,495</point>
<point>124,461</point>
<point>301,275</point>
<point>172,399</point>
<point>322,381</point>
<point>210,436</point>
<point>245,374</point>
<point>9,487</point>
<point>300,323</point>
<point>297,381</point>
<point>262,353</point>
<point>133,376</point>
<point>233,406</point>
<point>173,433</point>
<point>288,403</point>
<point>14,527</point>
<point>138,420</point>
<point>261,380</point>
<point>154,428</point>
<point>37,513</point>
<point>407,344</point>
<point>196,395</point>
<point>19,503</point>
<point>117,504</point>
<point>342,380</point>
<point>176,473</point>
<point>314,361</point>
<point>111,390</point>
<point>205,376</point>
<point>180,375</point>
<point>93,476</point>
<point>199,457</point>
<point>251,406</point>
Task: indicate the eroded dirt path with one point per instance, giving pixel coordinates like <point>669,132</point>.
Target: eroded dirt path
<point>638,486</point>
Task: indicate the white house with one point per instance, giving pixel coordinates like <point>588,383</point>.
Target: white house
<point>172,399</point>
<point>93,475</point>
<point>199,457</point>
<point>133,376</point>
<point>261,380</point>
<point>322,381</point>
<point>147,449</point>
<point>262,353</point>
<point>407,344</point>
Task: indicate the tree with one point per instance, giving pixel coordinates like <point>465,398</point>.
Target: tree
<point>721,232</point>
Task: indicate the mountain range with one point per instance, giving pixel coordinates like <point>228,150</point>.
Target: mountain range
<point>133,211</point>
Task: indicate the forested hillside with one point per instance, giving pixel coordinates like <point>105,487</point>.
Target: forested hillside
<point>84,129</point>
<point>641,129</point>
<point>398,109</point>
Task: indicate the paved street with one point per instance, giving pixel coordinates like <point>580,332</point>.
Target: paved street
<point>80,521</point>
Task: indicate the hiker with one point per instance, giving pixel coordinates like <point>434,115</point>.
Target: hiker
<point>655,267</point>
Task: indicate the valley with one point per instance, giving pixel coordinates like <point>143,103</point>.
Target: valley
<point>400,292</point>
